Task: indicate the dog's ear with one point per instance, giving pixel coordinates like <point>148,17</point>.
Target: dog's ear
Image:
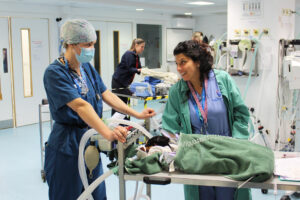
<point>158,140</point>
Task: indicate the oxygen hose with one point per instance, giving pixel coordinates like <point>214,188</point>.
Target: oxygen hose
<point>249,78</point>
<point>218,42</point>
<point>252,64</point>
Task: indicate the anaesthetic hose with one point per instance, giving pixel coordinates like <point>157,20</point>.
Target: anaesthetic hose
<point>131,123</point>
<point>81,164</point>
<point>88,191</point>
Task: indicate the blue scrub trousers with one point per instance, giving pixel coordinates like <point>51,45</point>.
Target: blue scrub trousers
<point>63,178</point>
<point>216,193</point>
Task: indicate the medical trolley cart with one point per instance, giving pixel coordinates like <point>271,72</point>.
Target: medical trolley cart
<point>43,109</point>
<point>164,178</point>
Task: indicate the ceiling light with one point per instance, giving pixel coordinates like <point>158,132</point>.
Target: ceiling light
<point>200,3</point>
<point>139,9</point>
<point>188,13</point>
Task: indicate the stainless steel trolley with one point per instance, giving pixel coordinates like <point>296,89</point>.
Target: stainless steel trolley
<point>164,178</point>
<point>43,109</point>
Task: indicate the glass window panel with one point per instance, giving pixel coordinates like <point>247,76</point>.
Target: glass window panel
<point>116,49</point>
<point>152,34</point>
<point>26,62</point>
<point>97,58</point>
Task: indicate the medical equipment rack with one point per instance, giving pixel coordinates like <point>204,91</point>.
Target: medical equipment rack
<point>44,105</point>
<point>164,178</point>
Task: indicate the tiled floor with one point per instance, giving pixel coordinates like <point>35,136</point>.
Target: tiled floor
<point>20,177</point>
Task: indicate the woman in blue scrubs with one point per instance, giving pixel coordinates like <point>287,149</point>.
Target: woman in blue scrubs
<point>205,101</point>
<point>75,92</point>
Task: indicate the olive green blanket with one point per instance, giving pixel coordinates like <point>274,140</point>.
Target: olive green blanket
<point>210,154</point>
<point>235,158</point>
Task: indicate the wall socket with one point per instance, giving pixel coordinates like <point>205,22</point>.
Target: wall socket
<point>286,12</point>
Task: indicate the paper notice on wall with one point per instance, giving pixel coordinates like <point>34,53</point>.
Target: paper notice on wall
<point>36,49</point>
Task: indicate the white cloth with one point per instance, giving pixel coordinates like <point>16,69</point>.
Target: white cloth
<point>167,77</point>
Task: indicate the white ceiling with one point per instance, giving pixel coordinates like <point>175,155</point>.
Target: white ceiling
<point>172,7</point>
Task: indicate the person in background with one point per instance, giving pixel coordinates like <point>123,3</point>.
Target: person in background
<point>129,66</point>
<point>197,36</point>
<point>205,101</point>
<point>76,92</point>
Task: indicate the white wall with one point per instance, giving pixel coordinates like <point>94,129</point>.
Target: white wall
<point>101,14</point>
<point>262,93</point>
<point>215,25</point>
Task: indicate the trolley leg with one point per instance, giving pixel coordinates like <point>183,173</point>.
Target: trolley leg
<point>43,175</point>
<point>122,188</point>
<point>147,121</point>
<point>148,190</point>
<point>41,136</point>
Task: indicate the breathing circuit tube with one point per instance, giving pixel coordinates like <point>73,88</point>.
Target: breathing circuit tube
<point>88,191</point>
<point>81,165</point>
<point>130,123</point>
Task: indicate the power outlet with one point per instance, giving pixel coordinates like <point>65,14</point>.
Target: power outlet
<point>255,32</point>
<point>237,32</point>
<point>266,31</point>
<point>246,32</point>
<point>286,12</point>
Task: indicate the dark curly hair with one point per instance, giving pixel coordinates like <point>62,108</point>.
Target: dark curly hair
<point>199,53</point>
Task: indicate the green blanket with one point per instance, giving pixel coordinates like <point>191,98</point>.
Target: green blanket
<point>235,158</point>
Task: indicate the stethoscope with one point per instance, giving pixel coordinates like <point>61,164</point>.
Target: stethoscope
<point>71,72</point>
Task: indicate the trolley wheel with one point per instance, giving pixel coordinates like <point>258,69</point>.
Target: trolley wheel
<point>264,191</point>
<point>43,175</point>
<point>285,197</point>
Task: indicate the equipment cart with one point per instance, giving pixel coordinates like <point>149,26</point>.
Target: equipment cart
<point>43,109</point>
<point>191,179</point>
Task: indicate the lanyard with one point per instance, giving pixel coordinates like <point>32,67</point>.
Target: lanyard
<point>80,82</point>
<point>203,112</point>
<point>84,73</point>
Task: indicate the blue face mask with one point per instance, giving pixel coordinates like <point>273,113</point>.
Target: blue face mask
<point>86,55</point>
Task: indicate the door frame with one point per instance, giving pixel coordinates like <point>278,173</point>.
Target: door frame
<point>12,59</point>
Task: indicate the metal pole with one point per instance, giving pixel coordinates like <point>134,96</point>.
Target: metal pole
<point>122,189</point>
<point>41,135</point>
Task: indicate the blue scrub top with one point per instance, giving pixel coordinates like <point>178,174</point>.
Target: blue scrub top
<point>217,112</point>
<point>61,89</point>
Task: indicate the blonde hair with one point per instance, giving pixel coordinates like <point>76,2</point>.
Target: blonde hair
<point>136,41</point>
<point>198,36</point>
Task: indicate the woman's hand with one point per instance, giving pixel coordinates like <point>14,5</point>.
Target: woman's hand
<point>119,133</point>
<point>146,113</point>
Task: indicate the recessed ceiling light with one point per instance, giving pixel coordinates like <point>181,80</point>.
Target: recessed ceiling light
<point>200,3</point>
<point>139,9</point>
<point>188,13</point>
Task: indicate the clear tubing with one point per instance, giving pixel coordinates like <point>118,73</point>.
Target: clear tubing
<point>139,195</point>
<point>219,41</point>
<point>84,140</point>
<point>252,64</point>
<point>131,123</point>
<point>81,165</point>
<point>88,191</point>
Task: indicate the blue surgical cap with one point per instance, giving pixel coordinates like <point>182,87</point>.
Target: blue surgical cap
<point>76,31</point>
